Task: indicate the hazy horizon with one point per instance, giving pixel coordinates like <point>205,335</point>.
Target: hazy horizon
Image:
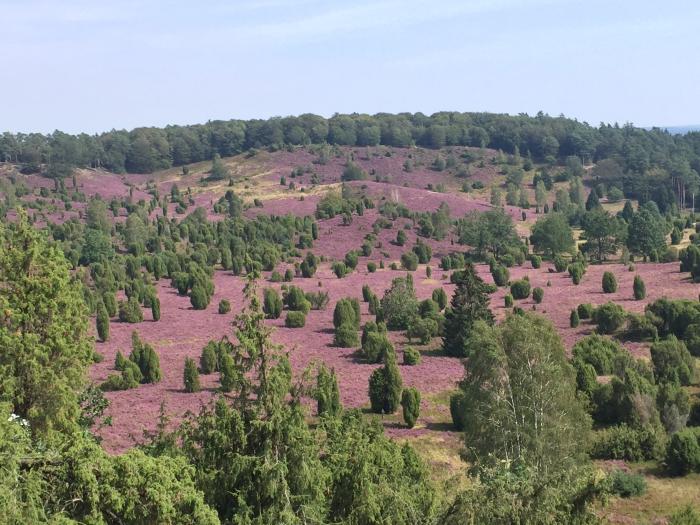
<point>84,67</point>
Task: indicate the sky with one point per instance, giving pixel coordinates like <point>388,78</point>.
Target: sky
<point>88,66</point>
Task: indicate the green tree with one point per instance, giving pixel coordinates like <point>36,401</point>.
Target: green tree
<point>399,304</point>
<point>520,402</point>
<point>410,401</point>
<point>102,322</point>
<point>327,393</point>
<point>592,202</point>
<point>155,308</point>
<point>209,361</point>
<point>491,231</point>
<point>272,303</point>
<point>640,289</point>
<point>43,333</point>
<point>672,361</point>
<point>470,303</point>
<point>604,233</point>
<point>646,232</point>
<point>191,376</point>
<point>385,386</point>
<point>609,282</point>
<point>218,171</point>
<point>552,234</point>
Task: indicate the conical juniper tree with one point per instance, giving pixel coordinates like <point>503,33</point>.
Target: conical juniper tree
<point>470,303</point>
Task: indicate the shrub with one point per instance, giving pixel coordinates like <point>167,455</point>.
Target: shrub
<point>598,351</point>
<point>385,387</point>
<point>347,311</point>
<point>410,401</point>
<point>411,356</point>
<point>318,300</point>
<point>422,329</point>
<point>155,308</point>
<point>640,328</point>
<point>198,297</point>
<point>229,375</point>
<point>191,376</point>
<point>574,319</point>
<point>409,261</point>
<point>400,238</point>
<point>147,360</point>
<point>622,442</point>
<point>627,484</point>
<point>508,301</point>
<point>500,275</point>
<point>295,319</point>
<point>685,516</point>
<point>640,290</point>
<point>110,302</point>
<point>371,267</point>
<point>130,377</point>
<point>538,295</point>
<point>440,297</point>
<point>457,410</point>
<point>209,361</point>
<point>683,452</point>
<point>672,361</point>
<point>295,299</point>
<point>609,283</point>
<point>520,289</point>
<point>351,259</point>
<point>272,303</point>
<point>340,269</point>
<point>560,263</point>
<point>375,346</point>
<point>346,336</point>
<point>102,322</point>
<point>288,275</point>
<point>399,304</point>
<point>585,310</point>
<point>536,261</point>
<point>366,292</point>
<point>224,306</point>
<point>576,272</point>
<point>609,317</point>
<point>130,311</point>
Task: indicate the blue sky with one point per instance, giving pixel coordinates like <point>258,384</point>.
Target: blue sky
<point>84,65</point>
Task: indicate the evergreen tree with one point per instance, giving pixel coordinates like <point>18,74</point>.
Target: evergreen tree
<point>155,308</point>
<point>43,333</point>
<point>102,322</point>
<point>640,290</point>
<point>592,202</point>
<point>469,304</point>
<point>385,386</point>
<point>191,376</point>
<point>327,393</point>
<point>410,401</point>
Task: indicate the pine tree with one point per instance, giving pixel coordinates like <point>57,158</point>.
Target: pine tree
<point>470,303</point>
<point>191,376</point>
<point>102,322</point>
